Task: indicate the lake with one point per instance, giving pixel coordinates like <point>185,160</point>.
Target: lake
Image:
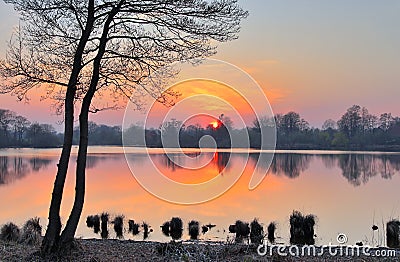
<point>348,192</point>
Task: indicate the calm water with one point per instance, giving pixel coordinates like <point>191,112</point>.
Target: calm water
<point>347,192</point>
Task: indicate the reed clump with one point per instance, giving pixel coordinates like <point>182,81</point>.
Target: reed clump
<point>194,229</point>
<point>271,232</point>
<point>256,232</point>
<point>31,232</point>
<point>393,234</point>
<point>176,228</point>
<point>104,217</point>
<point>119,226</point>
<point>302,229</point>
<point>10,232</point>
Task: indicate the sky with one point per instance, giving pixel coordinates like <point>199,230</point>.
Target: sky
<point>315,57</point>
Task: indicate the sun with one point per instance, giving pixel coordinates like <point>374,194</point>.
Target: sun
<point>214,124</point>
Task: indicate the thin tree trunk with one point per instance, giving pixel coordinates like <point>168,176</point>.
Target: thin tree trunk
<point>51,239</point>
<point>68,233</point>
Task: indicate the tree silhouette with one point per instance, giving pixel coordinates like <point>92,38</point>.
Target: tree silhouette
<point>81,50</point>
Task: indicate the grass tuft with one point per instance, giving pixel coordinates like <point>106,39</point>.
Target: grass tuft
<point>10,232</point>
<point>31,232</point>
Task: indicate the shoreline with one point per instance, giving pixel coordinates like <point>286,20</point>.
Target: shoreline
<point>118,149</point>
<point>128,250</point>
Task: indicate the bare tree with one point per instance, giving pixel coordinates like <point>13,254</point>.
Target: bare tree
<point>21,124</point>
<point>329,124</point>
<point>80,50</point>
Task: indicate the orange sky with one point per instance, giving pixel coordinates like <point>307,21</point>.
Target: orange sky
<point>204,97</point>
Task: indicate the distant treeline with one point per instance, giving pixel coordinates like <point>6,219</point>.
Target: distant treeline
<point>17,131</point>
<point>357,129</point>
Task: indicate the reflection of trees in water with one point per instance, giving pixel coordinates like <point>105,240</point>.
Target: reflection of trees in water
<point>93,160</point>
<point>170,162</point>
<point>14,168</point>
<point>290,165</point>
<point>39,163</point>
<point>358,168</point>
<point>329,161</point>
<point>176,161</point>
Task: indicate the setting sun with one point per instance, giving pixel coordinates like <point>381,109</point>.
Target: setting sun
<point>214,124</point>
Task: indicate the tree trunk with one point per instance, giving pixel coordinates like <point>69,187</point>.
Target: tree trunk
<point>68,233</point>
<point>50,242</point>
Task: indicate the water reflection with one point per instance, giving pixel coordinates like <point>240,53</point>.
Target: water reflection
<point>359,168</point>
<point>221,160</point>
<point>290,165</point>
<point>14,168</point>
<point>356,168</point>
<point>175,162</point>
<point>313,179</point>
